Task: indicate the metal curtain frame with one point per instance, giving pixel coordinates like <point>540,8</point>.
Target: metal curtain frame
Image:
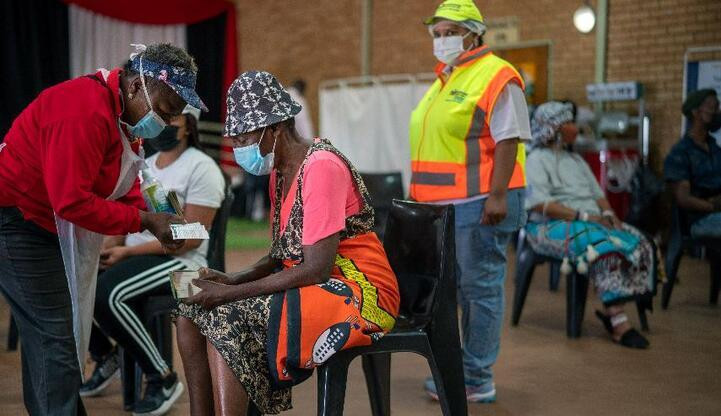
<point>365,80</point>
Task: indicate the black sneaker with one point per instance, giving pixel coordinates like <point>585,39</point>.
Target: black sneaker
<point>160,394</point>
<point>105,371</point>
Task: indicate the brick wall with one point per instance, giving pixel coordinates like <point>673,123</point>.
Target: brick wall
<point>314,40</point>
<point>320,39</point>
<point>401,42</point>
<point>646,42</point>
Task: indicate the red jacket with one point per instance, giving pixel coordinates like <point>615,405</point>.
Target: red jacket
<point>62,154</point>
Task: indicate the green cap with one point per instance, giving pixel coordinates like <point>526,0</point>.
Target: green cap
<point>456,11</point>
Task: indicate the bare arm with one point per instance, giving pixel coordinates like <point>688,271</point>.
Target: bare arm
<point>504,161</point>
<point>193,213</point>
<point>556,211</point>
<point>686,201</point>
<point>608,218</point>
<point>604,205</point>
<point>561,212</point>
<point>113,241</point>
<point>261,268</point>
<point>318,261</point>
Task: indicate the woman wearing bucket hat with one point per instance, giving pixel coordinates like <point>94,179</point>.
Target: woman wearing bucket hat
<point>466,149</point>
<point>326,284</point>
<point>69,169</point>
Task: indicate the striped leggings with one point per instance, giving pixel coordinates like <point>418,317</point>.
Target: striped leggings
<point>121,291</point>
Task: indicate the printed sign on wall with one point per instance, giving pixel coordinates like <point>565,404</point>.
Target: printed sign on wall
<point>705,74</point>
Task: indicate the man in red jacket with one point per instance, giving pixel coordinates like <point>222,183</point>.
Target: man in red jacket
<point>68,175</point>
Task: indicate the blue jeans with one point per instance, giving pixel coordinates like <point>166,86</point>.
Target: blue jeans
<point>708,226</point>
<point>32,279</point>
<point>480,274</point>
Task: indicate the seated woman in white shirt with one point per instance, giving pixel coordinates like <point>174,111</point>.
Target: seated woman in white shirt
<point>137,266</point>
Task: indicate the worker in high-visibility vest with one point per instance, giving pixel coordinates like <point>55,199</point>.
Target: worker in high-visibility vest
<point>466,140</point>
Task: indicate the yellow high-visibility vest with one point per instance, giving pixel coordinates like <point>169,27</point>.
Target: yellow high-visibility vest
<point>452,151</point>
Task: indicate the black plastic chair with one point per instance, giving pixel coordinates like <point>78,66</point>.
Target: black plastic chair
<point>680,239</point>
<point>13,335</point>
<point>383,189</point>
<point>419,241</point>
<point>576,289</point>
<point>156,310</point>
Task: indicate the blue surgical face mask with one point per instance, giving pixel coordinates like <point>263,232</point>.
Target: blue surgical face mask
<point>250,159</point>
<point>150,126</point>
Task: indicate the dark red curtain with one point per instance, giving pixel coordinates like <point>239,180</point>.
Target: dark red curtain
<point>174,12</point>
<point>157,12</point>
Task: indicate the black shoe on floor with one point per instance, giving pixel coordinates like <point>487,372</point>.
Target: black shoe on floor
<point>107,369</point>
<point>630,338</point>
<point>160,394</point>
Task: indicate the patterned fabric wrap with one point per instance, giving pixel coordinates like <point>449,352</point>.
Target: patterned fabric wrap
<point>181,80</point>
<point>255,100</point>
<point>625,266</point>
<point>546,121</point>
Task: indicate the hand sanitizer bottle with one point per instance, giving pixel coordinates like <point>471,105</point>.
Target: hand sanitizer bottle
<point>155,196</point>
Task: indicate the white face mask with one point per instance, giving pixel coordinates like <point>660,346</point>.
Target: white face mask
<point>448,48</point>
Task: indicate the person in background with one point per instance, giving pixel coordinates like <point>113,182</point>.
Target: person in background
<point>137,266</point>
<point>68,170</point>
<point>251,335</point>
<point>466,149</point>
<point>303,121</point>
<point>572,221</point>
<point>693,166</point>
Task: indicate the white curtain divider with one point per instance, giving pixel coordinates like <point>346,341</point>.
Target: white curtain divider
<point>367,119</point>
<point>98,41</point>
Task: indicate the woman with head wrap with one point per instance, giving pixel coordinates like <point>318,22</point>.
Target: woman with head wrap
<point>326,284</point>
<point>572,220</point>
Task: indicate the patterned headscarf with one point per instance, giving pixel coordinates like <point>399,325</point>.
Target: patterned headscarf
<point>546,121</point>
<point>256,100</point>
<point>181,80</point>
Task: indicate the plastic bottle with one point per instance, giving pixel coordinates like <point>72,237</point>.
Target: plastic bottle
<point>155,196</point>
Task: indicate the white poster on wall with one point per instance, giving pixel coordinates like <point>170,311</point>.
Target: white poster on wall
<point>709,75</point>
<point>706,74</point>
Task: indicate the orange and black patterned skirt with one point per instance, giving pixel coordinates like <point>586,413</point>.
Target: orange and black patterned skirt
<point>354,308</point>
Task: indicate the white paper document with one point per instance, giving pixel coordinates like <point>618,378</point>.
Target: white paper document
<point>194,231</point>
<point>181,281</point>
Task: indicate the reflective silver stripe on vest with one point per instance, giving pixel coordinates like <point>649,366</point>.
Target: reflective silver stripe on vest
<point>473,152</point>
<point>432,178</point>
